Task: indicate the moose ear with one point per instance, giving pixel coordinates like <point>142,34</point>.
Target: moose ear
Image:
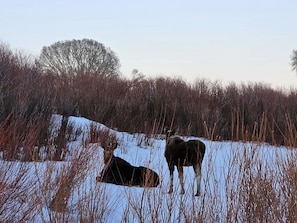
<point>175,131</point>
<point>114,145</point>
<point>103,145</point>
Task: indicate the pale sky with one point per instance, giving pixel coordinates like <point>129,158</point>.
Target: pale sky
<point>233,40</point>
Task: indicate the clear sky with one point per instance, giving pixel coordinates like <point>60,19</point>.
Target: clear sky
<point>232,40</point>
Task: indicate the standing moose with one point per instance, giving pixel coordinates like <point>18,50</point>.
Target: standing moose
<point>120,172</point>
<point>180,153</point>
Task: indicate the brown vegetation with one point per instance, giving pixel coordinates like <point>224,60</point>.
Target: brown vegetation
<point>28,97</point>
<point>252,191</point>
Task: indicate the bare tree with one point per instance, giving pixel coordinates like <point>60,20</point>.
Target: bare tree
<point>294,60</point>
<point>79,57</point>
<point>26,105</point>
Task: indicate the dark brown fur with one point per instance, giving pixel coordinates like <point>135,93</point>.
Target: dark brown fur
<point>120,172</point>
<point>180,153</point>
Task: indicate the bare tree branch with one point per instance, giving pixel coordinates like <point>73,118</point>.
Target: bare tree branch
<point>294,61</point>
<point>79,57</point>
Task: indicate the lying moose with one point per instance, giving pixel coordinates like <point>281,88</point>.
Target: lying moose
<point>182,153</point>
<point>120,172</point>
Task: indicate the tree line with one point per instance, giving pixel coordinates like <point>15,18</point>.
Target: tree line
<point>31,92</point>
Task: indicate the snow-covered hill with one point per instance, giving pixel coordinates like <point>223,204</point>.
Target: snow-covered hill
<point>232,173</point>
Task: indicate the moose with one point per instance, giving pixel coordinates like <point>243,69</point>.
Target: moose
<point>182,153</point>
<point>120,172</point>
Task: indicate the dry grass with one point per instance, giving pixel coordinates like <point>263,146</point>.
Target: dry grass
<point>15,192</point>
<point>248,182</point>
<point>243,183</point>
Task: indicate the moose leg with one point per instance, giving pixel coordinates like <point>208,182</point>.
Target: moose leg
<point>171,169</point>
<point>197,169</point>
<point>181,178</point>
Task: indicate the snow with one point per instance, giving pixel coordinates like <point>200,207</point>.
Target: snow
<point>222,170</point>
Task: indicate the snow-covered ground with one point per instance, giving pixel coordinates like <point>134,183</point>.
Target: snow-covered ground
<point>223,168</point>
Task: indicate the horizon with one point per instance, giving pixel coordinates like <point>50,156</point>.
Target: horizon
<point>218,41</point>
